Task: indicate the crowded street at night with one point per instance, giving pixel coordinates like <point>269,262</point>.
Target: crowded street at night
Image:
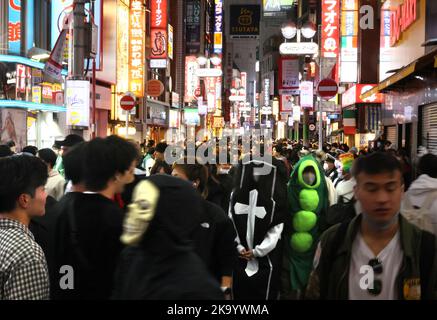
<point>250,152</point>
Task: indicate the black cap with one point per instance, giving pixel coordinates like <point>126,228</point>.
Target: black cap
<point>69,141</point>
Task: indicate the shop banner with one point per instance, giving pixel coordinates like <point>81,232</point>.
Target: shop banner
<point>330,28</point>
<point>158,39</point>
<point>307,95</point>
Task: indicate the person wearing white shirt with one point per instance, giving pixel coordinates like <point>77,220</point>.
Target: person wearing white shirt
<point>55,183</point>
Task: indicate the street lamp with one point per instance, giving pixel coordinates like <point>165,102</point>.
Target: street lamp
<point>289,30</point>
<point>308,30</point>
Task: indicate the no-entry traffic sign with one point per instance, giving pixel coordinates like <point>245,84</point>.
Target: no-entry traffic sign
<point>327,89</point>
<point>127,101</point>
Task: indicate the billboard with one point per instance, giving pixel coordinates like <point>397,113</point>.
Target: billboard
<point>244,20</point>
<point>275,8</point>
<point>61,8</point>
<point>158,37</point>
<point>192,26</point>
<point>13,126</point>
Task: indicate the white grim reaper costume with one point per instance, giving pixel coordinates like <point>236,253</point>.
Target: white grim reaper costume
<point>258,209</point>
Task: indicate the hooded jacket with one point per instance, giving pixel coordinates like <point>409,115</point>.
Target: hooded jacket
<point>424,186</point>
<point>163,265</point>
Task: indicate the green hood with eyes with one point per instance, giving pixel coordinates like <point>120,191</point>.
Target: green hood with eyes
<point>308,200</point>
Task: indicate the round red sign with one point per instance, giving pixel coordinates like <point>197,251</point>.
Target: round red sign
<point>327,89</point>
<point>127,102</point>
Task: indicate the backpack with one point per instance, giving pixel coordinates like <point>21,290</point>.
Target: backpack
<point>427,251</point>
<point>420,216</point>
<point>342,211</point>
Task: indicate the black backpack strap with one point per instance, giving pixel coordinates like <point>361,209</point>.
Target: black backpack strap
<point>328,258</point>
<point>427,252</point>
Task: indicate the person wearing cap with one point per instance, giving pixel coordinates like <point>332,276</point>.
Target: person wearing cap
<point>330,169</point>
<point>64,145</point>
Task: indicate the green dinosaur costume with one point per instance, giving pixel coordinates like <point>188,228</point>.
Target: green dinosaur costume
<point>308,201</point>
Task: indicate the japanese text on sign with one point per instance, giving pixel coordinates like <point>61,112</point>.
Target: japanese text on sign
<point>330,28</point>
<point>136,43</point>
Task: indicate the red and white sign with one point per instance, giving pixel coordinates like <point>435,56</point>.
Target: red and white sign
<point>158,38</point>
<point>330,28</point>
<point>401,19</point>
<point>286,103</point>
<point>127,102</point>
<point>327,89</point>
<point>352,96</point>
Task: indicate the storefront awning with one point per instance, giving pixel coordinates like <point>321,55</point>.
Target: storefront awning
<point>403,74</point>
<point>25,61</point>
<point>31,106</point>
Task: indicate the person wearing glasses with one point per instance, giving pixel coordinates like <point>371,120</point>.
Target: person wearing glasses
<point>378,255</point>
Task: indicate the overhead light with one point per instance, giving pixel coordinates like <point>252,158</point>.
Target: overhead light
<point>38,54</point>
<point>202,60</point>
<point>308,30</point>
<point>289,30</point>
<point>216,60</point>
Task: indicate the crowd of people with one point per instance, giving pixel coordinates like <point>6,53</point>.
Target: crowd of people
<point>111,219</point>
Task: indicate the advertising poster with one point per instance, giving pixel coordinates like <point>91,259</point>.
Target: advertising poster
<point>288,73</point>
<point>14,26</point>
<point>13,126</point>
<point>78,103</point>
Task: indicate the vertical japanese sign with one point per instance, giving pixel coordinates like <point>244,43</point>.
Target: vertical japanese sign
<point>14,26</point>
<point>192,31</point>
<point>307,95</point>
<point>330,28</point>
<point>192,82</point>
<point>170,41</point>
<point>122,48</point>
<point>218,26</point>
<point>349,42</point>
<point>159,30</point>
<point>136,46</point>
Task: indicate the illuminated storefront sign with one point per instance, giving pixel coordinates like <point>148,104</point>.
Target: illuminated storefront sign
<point>274,8</point>
<point>192,82</point>
<point>14,26</point>
<point>158,38</point>
<point>401,19</point>
<point>349,41</point>
<point>78,103</point>
<point>330,28</point>
<point>218,26</point>
<point>288,74</point>
<point>136,45</point>
<point>122,48</point>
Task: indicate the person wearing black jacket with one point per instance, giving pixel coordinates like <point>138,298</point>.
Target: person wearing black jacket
<point>215,234</point>
<point>160,261</point>
<point>88,227</point>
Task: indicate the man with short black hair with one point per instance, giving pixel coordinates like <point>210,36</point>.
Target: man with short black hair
<point>378,255</point>
<point>23,267</point>
<point>88,230</point>
<point>65,145</point>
